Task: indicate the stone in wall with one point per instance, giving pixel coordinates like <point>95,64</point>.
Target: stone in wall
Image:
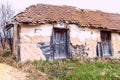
<point>79,50</point>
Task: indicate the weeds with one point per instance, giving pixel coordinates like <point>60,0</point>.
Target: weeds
<point>7,53</point>
<point>80,69</point>
<point>30,70</point>
<point>69,69</point>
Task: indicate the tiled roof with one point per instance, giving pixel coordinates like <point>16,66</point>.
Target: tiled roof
<point>43,13</point>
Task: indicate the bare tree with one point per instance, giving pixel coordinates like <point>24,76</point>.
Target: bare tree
<point>6,14</point>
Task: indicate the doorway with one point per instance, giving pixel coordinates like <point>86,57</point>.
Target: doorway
<point>106,47</point>
<point>60,43</point>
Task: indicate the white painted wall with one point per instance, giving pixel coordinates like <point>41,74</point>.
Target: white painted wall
<point>85,36</point>
<point>42,30</point>
<point>31,35</point>
<point>116,45</point>
<point>84,33</point>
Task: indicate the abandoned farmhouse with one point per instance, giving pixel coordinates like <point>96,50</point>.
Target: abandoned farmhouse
<point>45,31</point>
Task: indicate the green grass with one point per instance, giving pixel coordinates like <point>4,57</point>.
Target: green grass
<point>78,69</point>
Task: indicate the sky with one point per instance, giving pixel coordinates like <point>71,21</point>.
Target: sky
<point>112,6</point>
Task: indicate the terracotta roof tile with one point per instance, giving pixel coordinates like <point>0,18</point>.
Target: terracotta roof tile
<point>42,13</point>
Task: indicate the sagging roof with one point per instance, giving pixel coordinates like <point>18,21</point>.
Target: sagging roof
<point>43,13</point>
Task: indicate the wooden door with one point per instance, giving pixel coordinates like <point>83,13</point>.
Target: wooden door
<point>106,43</point>
<point>59,43</point>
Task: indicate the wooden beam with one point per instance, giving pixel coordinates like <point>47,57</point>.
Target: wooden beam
<point>10,24</point>
<point>15,40</point>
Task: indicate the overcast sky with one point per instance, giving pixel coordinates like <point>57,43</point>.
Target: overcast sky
<point>104,5</point>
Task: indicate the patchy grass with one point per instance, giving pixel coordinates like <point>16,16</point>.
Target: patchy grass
<point>80,69</point>
<point>69,69</point>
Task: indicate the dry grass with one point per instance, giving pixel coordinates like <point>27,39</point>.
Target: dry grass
<point>30,70</point>
<point>81,69</point>
<point>6,48</point>
<point>9,59</point>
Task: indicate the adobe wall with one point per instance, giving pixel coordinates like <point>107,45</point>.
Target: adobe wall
<point>85,37</point>
<point>116,45</point>
<point>30,36</point>
<point>80,38</point>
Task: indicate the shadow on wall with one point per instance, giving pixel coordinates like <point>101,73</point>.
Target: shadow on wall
<point>77,50</point>
<point>46,49</point>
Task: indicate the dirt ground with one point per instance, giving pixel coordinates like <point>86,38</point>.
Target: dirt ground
<point>13,70</point>
<point>10,73</point>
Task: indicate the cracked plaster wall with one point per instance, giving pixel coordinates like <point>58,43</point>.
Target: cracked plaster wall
<point>30,36</point>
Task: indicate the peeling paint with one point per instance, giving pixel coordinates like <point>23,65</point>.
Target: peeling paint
<point>29,40</point>
<point>32,36</point>
<point>116,45</point>
<point>46,49</point>
<point>44,30</point>
<point>83,33</point>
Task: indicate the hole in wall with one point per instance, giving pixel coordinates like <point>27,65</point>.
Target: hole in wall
<point>37,30</point>
<point>118,51</point>
<point>119,34</point>
<point>91,32</point>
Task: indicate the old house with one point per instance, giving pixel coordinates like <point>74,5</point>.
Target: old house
<point>56,32</point>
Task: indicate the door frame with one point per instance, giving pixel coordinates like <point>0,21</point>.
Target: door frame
<point>106,38</point>
<point>68,53</point>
